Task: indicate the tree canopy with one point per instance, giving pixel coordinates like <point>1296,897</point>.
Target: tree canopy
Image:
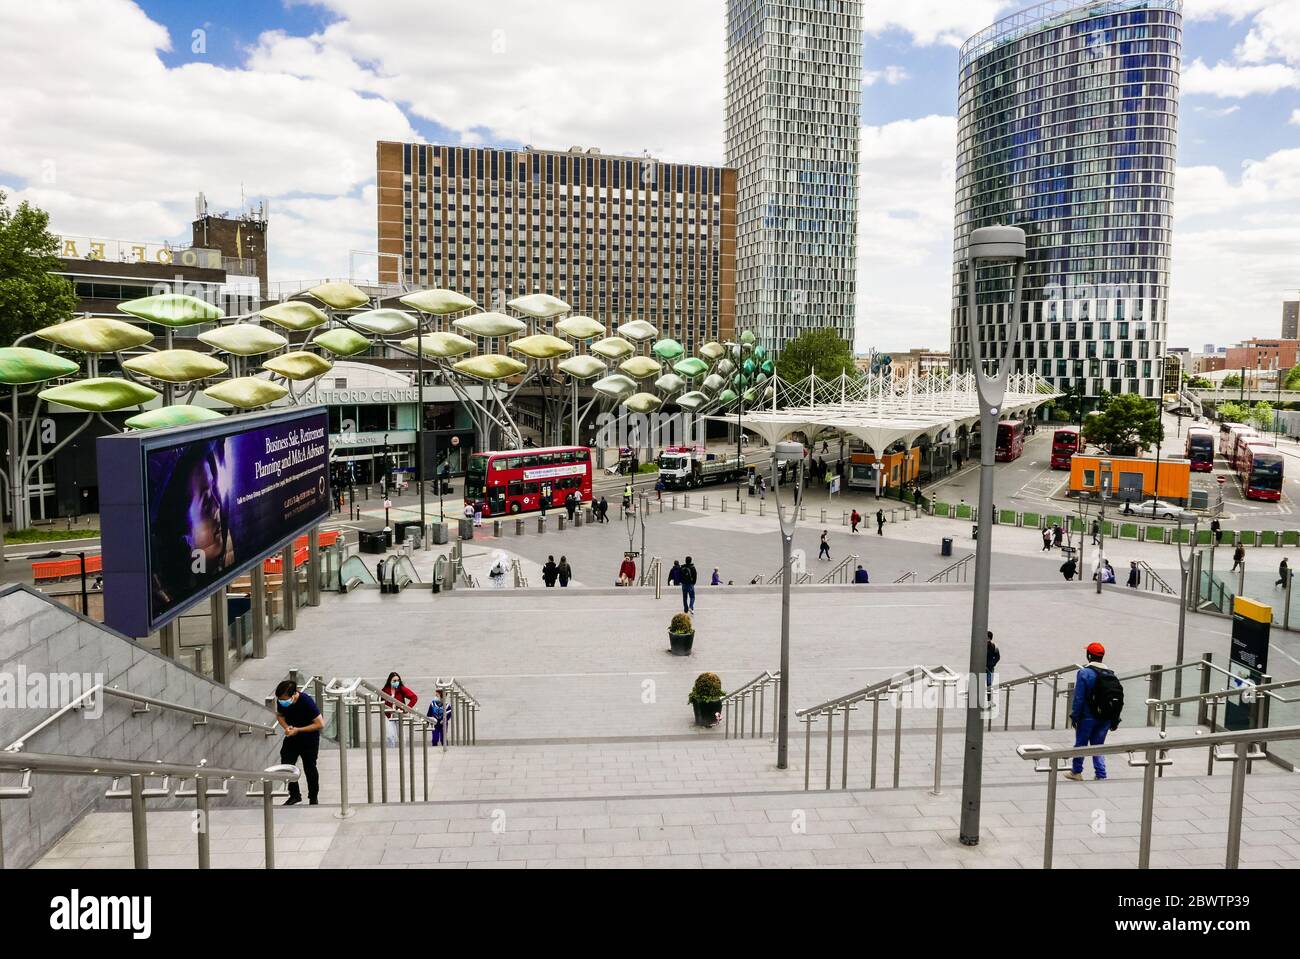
<point>816,350</point>
<point>31,296</point>
<point>1125,424</point>
<point>1231,380</point>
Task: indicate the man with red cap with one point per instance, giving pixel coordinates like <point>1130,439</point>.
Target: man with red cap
<point>1098,703</point>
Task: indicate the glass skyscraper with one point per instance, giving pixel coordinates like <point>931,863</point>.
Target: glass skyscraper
<point>794,82</point>
<point>1068,127</point>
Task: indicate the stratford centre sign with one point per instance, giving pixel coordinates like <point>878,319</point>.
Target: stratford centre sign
<point>364,396</point>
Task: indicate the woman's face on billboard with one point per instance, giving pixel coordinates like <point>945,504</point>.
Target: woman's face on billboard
<point>206,525</point>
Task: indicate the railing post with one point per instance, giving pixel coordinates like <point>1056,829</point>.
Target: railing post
<point>139,828</point>
<point>1154,683</point>
<point>1006,715</point>
<point>844,760</point>
<point>401,757</point>
<point>1033,709</point>
<point>268,823</point>
<point>1056,680</point>
<point>875,735</point>
<point>1237,797</point>
<point>830,747</point>
<point>1148,807</point>
<point>204,824</point>
<point>370,758</point>
<point>1205,688</point>
<point>938,741</point>
<point>1049,828</point>
<point>340,728</point>
<point>383,753</point>
<point>426,733</point>
<point>410,752</point>
<point>807,746</point>
<point>898,736</point>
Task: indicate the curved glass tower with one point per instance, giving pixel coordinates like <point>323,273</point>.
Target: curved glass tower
<point>1067,127</point>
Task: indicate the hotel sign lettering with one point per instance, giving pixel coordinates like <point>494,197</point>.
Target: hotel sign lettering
<point>126,251</point>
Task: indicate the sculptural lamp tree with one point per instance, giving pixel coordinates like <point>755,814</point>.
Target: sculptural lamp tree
<point>990,246</point>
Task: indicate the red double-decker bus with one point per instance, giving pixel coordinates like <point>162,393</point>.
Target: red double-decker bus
<point>1067,441</point>
<point>1011,441</point>
<point>1260,470</point>
<point>1200,449</point>
<point>522,481</point>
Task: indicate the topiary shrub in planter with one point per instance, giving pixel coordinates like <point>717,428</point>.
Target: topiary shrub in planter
<point>681,635</point>
<point>706,698</point>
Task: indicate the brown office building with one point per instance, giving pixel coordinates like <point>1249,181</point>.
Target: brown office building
<point>617,238</point>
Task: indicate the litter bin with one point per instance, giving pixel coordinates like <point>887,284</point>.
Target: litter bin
<point>371,541</point>
<point>388,537</point>
<point>439,533</point>
<point>946,548</point>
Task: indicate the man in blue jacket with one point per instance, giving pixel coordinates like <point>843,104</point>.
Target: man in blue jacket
<point>1093,711</point>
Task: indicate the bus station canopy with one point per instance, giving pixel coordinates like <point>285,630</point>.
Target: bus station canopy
<point>882,411</point>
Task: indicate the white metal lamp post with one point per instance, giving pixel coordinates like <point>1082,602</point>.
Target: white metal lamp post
<point>786,452</point>
<point>989,246</point>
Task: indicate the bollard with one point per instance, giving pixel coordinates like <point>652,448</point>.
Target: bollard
<point>803,512</point>
<point>561,524</point>
<point>674,503</point>
<point>577,518</point>
<point>686,501</point>
<point>519,527</point>
<point>724,504</point>
<point>823,516</point>
<point>541,524</point>
<point>661,504</point>
<point>496,528</point>
<point>705,504</point>
<point>742,507</point>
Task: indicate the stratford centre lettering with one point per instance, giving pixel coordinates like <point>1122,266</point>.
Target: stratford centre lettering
<point>364,396</point>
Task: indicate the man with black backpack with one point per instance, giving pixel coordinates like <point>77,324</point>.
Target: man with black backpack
<point>687,577</point>
<point>1098,703</point>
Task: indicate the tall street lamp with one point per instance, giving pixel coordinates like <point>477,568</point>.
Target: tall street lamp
<point>990,245</point>
<point>1185,574</point>
<point>784,453</point>
<point>85,599</point>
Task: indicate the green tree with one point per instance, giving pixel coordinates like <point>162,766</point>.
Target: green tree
<point>1232,380</point>
<point>1199,383</point>
<point>1126,424</point>
<point>31,296</point>
<point>819,350</point>
<point>1233,413</point>
<point>1261,417</point>
<point>1292,379</point>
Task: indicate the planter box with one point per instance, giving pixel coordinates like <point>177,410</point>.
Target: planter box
<point>679,644</point>
<point>1128,531</point>
<point>1007,517</point>
<point>1268,537</point>
<point>1030,519</point>
<point>1291,537</point>
<point>707,714</point>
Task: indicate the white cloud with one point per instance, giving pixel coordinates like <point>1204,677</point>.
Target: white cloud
<point>948,22</point>
<point>891,76</point>
<point>1232,81</point>
<point>1274,34</point>
<point>1295,118</point>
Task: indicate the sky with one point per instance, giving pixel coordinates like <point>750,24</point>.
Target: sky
<point>116,114</point>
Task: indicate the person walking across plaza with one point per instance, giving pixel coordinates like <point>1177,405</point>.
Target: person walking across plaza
<point>1069,568</point>
<point>1047,540</point>
<point>1238,557</point>
<point>564,571</point>
<point>880,522</point>
<point>299,717</point>
<point>1283,574</point>
<point>688,576</point>
<point>1057,534</point>
<point>549,572</point>
<point>571,506</point>
<point>854,519</point>
<point>1134,575</point>
<point>1096,531</point>
<point>824,550</point>
<point>602,514</point>
<point>992,657</point>
<point>1217,529</point>
<point>1098,703</point>
<point>394,687</point>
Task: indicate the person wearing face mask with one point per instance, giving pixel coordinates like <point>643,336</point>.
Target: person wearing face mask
<point>302,722</point>
<point>438,713</point>
<point>397,690</point>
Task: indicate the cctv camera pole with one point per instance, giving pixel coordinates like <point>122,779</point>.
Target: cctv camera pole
<point>993,244</point>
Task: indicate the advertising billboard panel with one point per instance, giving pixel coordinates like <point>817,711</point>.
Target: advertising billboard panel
<point>184,511</point>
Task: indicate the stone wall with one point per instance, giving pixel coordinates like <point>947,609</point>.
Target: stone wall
<point>42,637</point>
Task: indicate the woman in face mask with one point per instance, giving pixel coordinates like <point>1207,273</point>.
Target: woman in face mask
<point>395,688</point>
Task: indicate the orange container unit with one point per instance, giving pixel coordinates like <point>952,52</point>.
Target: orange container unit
<point>1133,476</point>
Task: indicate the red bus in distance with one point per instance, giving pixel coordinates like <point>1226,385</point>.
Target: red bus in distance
<point>1200,449</point>
<point>1260,470</point>
<point>1067,441</point>
<point>521,481</point>
<point>1011,440</point>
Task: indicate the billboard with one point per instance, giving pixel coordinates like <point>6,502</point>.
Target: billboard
<point>186,510</point>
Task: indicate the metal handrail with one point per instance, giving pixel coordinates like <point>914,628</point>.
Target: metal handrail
<point>755,691</point>
<point>840,572</point>
<point>516,567</point>
<point>651,571</point>
<point>246,726</point>
<point>940,676</point>
<point>958,567</point>
<point>1035,679</point>
<point>1156,755</point>
<point>1153,576</point>
<point>908,577</point>
<point>136,771</point>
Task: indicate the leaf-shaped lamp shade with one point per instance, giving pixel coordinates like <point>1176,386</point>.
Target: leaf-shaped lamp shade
<point>613,348</point>
<point>638,330</point>
<point>298,366</point>
<point>690,367</point>
<point>438,302</point>
<point>713,352</point>
<point>713,382</point>
<point>20,365</point>
<point>726,367</point>
<point>489,324</point>
<point>616,385</point>
<point>768,367</point>
<point>96,334</point>
<point>104,394</point>
<point>172,309</point>
<point>176,366</point>
<point>669,383</point>
<point>243,339</point>
<point>747,338</point>
<point>294,315</point>
<point>760,352</point>
<point>342,342</point>
<point>692,401</point>
<point>440,345</point>
<point>580,327</point>
<point>384,322</point>
<point>643,403</point>
<point>581,367</point>
<point>541,306</point>
<point>246,392</point>
<point>640,367</point>
<point>667,350</point>
<point>339,295</point>
<point>172,416</point>
<point>541,346</point>
<point>726,397</point>
<point>490,366</point>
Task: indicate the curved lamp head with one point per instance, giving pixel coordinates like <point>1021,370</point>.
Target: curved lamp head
<point>997,243</point>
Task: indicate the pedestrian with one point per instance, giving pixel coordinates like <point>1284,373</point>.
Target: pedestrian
<point>478,512</point>
<point>1098,703</point>
<point>565,572</point>
<point>627,498</point>
<point>1283,574</point>
<point>824,550</point>
<point>1107,572</point>
<point>498,572</point>
<point>717,579</point>
<point>1096,531</point>
<point>627,571</point>
<point>1238,557</point>
<point>659,489</point>
<point>549,572</point>
<point>688,586</point>
<point>992,657</point>
<point>854,519</point>
<point>1057,534</point>
<point>1069,568</point>
<point>1217,529</point>
<point>1047,540</point>
<point>469,512</point>
<point>438,713</point>
<point>917,498</point>
<point>860,575</point>
<point>571,506</point>
<point>299,717</point>
<point>675,574</point>
<point>762,488</point>
<point>825,448</point>
<point>603,513</point>
<point>394,688</point>
<point>1134,575</point>
<point>880,522</point>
